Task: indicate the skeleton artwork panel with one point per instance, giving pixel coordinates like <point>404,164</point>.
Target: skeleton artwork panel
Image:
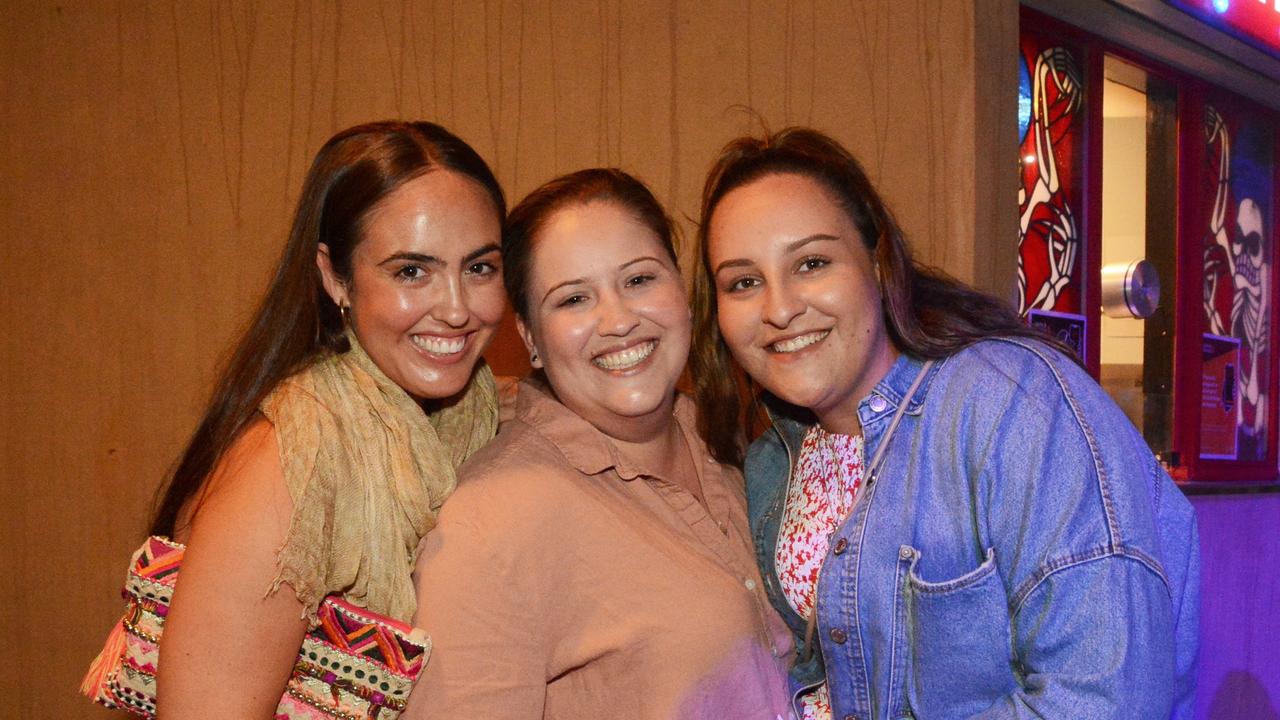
<point>1239,192</point>
<point>1050,121</point>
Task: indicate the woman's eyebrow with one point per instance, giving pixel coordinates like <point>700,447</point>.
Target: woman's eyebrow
<point>642,258</point>
<point>736,262</point>
<point>414,257</point>
<point>480,252</point>
<point>557,286</point>
<point>816,237</point>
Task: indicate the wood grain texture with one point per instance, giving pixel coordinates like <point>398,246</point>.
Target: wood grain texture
<point>152,152</point>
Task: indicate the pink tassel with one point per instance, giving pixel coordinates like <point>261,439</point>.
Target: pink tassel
<point>107,661</point>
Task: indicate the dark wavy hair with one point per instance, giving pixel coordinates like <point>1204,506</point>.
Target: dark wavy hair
<point>927,313</point>
<point>297,321</point>
<point>531,215</point>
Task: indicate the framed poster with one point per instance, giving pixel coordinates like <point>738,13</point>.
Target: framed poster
<point>1237,188</point>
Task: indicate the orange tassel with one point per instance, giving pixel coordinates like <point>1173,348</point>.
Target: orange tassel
<point>107,661</point>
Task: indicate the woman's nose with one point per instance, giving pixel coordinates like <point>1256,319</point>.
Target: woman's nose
<point>781,305</point>
<point>616,316</point>
<point>451,305</point>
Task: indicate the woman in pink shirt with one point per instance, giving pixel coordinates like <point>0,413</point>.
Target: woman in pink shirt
<point>595,560</point>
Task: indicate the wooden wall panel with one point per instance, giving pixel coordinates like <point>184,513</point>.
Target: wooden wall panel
<point>151,152</point>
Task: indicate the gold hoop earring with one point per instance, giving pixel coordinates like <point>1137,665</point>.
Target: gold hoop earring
<point>345,311</point>
<point>533,357</point>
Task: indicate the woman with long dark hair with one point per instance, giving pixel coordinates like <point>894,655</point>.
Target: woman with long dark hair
<point>952,516</point>
<point>595,561</point>
<point>327,449</point>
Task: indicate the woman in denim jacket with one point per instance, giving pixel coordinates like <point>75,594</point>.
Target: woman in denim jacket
<point>952,516</point>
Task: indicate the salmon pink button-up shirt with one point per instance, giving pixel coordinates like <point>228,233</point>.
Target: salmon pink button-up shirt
<point>567,580</point>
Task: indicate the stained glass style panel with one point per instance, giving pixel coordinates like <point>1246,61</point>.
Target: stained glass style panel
<point>1050,123</point>
<point>1239,192</point>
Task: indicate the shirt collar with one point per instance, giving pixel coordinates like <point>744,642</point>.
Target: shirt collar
<point>588,450</point>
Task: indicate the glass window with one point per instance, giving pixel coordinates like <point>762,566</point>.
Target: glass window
<point>1139,225</point>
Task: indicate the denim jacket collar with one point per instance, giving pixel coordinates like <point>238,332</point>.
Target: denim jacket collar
<point>876,407</point>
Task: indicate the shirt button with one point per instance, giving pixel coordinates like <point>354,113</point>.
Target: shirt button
<point>840,546</point>
<point>839,636</point>
<point>751,584</point>
<point>878,404</point>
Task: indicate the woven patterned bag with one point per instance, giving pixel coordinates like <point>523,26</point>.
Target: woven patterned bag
<point>355,664</point>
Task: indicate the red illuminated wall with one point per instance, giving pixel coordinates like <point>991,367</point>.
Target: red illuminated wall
<point>1254,21</point>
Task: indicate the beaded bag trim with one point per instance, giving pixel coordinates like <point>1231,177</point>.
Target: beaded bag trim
<point>353,665</point>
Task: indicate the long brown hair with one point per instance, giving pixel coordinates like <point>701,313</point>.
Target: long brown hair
<point>297,321</point>
<point>927,313</point>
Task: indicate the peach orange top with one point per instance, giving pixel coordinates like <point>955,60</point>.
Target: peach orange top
<point>567,580</point>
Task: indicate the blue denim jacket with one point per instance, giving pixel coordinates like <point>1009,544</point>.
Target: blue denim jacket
<point>1019,554</point>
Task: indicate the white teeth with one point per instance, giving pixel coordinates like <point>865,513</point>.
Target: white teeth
<point>798,343</point>
<point>439,345</point>
<point>626,359</point>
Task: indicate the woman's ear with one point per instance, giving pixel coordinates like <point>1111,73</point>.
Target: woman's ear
<point>527,336</point>
<point>333,285</point>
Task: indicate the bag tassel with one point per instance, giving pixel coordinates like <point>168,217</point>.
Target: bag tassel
<point>106,661</point>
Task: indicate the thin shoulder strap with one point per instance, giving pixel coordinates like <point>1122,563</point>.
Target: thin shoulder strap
<point>874,466</point>
<point>811,623</point>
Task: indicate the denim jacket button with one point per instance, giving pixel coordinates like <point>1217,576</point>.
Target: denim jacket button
<point>905,553</point>
<point>840,546</point>
<point>839,636</point>
<point>878,404</point>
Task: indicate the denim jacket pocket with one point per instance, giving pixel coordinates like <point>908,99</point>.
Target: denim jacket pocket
<point>958,644</point>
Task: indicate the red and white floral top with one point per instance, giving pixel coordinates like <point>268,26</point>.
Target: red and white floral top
<point>819,498</point>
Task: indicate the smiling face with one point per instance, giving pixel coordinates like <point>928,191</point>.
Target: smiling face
<point>797,295</point>
<point>425,289</point>
<point>608,318</point>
